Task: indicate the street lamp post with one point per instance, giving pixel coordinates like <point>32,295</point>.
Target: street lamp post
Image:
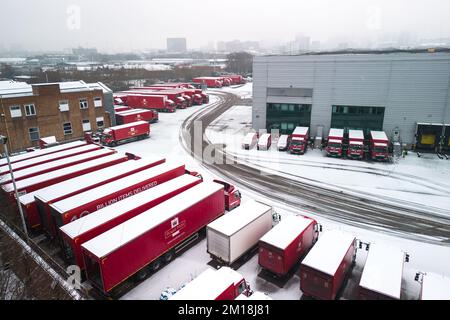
<point>3,140</point>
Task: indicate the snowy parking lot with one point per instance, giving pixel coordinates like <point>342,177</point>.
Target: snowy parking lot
<point>418,182</point>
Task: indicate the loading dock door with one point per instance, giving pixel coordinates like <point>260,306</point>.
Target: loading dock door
<point>428,136</point>
<point>446,145</point>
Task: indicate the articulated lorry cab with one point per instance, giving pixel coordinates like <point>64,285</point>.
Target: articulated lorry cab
<point>232,195</point>
<point>126,132</point>
<point>299,140</point>
<point>355,144</point>
<point>379,146</point>
<point>334,145</point>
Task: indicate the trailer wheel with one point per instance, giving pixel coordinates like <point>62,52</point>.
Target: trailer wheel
<point>156,265</point>
<point>169,256</point>
<point>140,275</point>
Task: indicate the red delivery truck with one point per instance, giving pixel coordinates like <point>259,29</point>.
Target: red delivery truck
<point>174,95</point>
<point>88,227</point>
<point>222,284</point>
<point>211,82</point>
<point>41,152</point>
<point>382,275</point>
<point>435,287</point>
<point>68,188</point>
<point>144,242</point>
<point>355,144</point>
<point>236,233</point>
<point>34,184</point>
<point>299,140</point>
<point>281,248</point>
<point>335,141</point>
<point>232,195</point>
<point>323,270</point>
<point>236,79</point>
<point>134,115</point>
<point>379,146</point>
<point>121,109</point>
<point>126,132</point>
<point>150,101</point>
<point>82,204</point>
<point>49,158</point>
<point>55,165</point>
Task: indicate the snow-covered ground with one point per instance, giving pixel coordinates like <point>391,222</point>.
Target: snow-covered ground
<point>424,181</point>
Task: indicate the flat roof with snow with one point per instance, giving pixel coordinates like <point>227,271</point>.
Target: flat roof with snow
<point>132,111</point>
<point>328,253</point>
<point>377,144</point>
<point>128,125</point>
<point>334,141</point>
<point>29,197</point>
<point>379,135</point>
<point>435,287</point>
<point>286,231</point>
<point>383,270</point>
<point>86,197</point>
<point>300,131</point>
<point>264,138</point>
<point>239,217</point>
<point>356,134</point>
<point>336,133</point>
<point>42,152</point>
<point>249,137</point>
<point>97,218</point>
<point>50,157</point>
<point>118,236</point>
<point>58,190</point>
<point>57,163</point>
<point>208,285</point>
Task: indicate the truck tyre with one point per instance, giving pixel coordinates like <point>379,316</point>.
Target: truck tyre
<point>140,275</point>
<point>169,256</point>
<point>156,265</point>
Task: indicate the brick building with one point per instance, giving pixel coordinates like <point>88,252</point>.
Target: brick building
<point>65,110</point>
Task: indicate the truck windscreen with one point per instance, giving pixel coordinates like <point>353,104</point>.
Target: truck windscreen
<point>334,145</point>
<point>380,149</point>
<point>296,143</point>
<point>355,146</point>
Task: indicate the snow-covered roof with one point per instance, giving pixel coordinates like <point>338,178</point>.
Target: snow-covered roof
<point>41,152</point>
<point>108,213</point>
<point>99,192</point>
<point>286,231</point>
<point>435,287</point>
<point>300,131</point>
<point>360,143</point>
<point>264,138</point>
<point>283,139</point>
<point>129,125</point>
<point>72,185</point>
<point>249,137</point>
<point>239,217</point>
<point>336,133</point>
<point>132,111</point>
<point>65,153</point>
<point>383,270</point>
<point>328,253</point>
<point>377,144</point>
<point>379,135</point>
<point>298,139</point>
<point>257,295</point>
<point>356,134</point>
<point>49,165</point>
<point>118,236</point>
<point>63,171</point>
<point>208,285</point>
<point>334,141</point>
<point>49,140</point>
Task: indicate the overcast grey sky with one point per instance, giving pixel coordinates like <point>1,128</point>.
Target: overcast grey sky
<point>127,25</point>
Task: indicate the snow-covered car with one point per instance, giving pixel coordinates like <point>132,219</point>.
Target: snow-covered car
<point>167,293</point>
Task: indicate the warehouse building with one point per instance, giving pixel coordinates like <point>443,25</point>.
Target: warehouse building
<point>406,94</point>
<point>65,110</point>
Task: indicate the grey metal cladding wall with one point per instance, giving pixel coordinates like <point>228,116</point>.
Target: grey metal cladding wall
<point>259,95</point>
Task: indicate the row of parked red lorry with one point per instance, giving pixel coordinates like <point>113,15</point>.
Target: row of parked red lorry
<point>219,82</point>
<point>352,145</point>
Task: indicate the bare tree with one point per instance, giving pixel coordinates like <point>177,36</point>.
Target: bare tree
<point>240,62</point>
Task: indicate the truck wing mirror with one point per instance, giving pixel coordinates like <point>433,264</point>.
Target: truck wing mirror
<point>407,258</point>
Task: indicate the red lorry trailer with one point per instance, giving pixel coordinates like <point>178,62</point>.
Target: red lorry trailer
<point>435,287</point>
<point>379,146</point>
<point>174,95</point>
<point>41,152</point>
<point>82,204</point>
<point>281,248</point>
<point>299,140</point>
<point>382,275</point>
<point>232,195</point>
<point>121,109</point>
<point>211,284</point>
<point>355,144</point>
<point>49,158</point>
<point>236,79</point>
<point>126,132</point>
<point>150,101</point>
<point>323,270</point>
<point>55,165</point>
<point>211,82</point>
<point>152,237</point>
<point>232,236</point>
<point>88,227</point>
<point>135,115</point>
<point>45,197</point>
<point>335,140</point>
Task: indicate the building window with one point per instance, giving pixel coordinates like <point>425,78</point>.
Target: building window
<point>98,102</point>
<point>86,125</point>
<point>83,104</point>
<point>34,134</point>
<point>16,111</point>
<point>64,105</point>
<point>100,122</point>
<point>30,110</point>
<point>67,127</point>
